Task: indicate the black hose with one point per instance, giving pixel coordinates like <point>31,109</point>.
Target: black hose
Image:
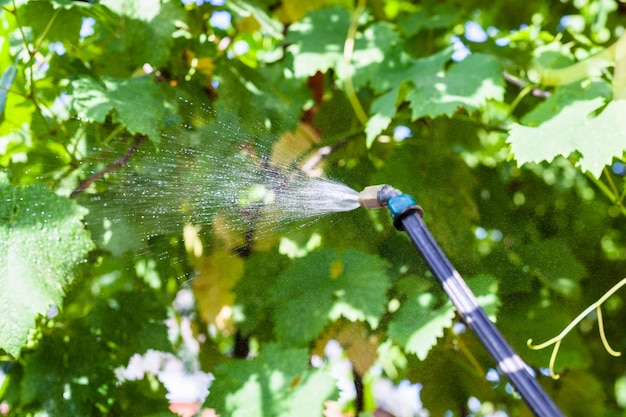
<point>474,316</point>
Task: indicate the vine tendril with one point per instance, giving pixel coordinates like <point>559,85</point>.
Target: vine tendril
<point>556,341</point>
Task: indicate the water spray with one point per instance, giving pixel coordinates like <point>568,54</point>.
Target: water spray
<point>407,216</point>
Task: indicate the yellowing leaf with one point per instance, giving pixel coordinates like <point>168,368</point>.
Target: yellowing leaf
<point>292,145</point>
<point>226,234</point>
<point>248,24</point>
<point>336,268</point>
<point>213,288</point>
<point>293,10</point>
<point>360,346</point>
<point>206,66</point>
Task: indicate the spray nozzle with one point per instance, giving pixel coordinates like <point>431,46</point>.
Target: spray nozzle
<point>377,196</point>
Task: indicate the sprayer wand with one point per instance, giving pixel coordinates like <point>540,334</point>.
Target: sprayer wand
<point>407,216</point>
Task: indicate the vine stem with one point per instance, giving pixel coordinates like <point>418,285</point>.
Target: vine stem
<point>119,162</point>
<point>32,55</point>
<point>468,354</point>
<point>348,51</point>
<point>537,92</point>
<point>556,341</point>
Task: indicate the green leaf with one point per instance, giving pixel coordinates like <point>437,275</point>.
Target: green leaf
<point>135,103</point>
<point>467,84</point>
<point>254,293</point>
<point>91,102</point>
<point>383,109</point>
<point>245,8</point>
<point>378,59</point>
<point>597,139</point>
<point>361,287</point>
<point>145,397</point>
<point>564,96</point>
<point>324,286</point>
<point>316,42</point>
<point>258,102</point>
<point>418,324</point>
<point>56,23</point>
<point>58,378</point>
<point>42,241</point>
<point>132,322</point>
<point>278,382</point>
<point>138,105</point>
<point>442,16</point>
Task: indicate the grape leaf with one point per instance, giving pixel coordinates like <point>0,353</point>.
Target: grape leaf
<point>325,286</point>
<point>597,139</point>
<point>377,59</point>
<point>418,324</point>
<point>317,44</point>
<point>441,16</point>
<point>564,96</point>
<point>260,102</point>
<point>360,287</point>
<point>213,287</point>
<point>360,346</point>
<point>135,103</point>
<point>316,41</point>
<point>42,239</point>
<point>435,92</point>
<point>132,322</point>
<point>55,23</point>
<point>276,383</point>
<point>383,109</point>
<point>254,293</point>
<point>469,84</point>
<point>58,377</point>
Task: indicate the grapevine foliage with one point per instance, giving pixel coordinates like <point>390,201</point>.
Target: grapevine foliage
<point>140,140</point>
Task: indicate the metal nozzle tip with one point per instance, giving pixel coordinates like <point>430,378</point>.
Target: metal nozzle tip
<point>368,198</point>
<point>376,196</point>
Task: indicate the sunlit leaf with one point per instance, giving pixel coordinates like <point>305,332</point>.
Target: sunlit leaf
<point>316,41</point>
<point>278,382</point>
<point>565,96</point>
<point>383,109</point>
<point>597,139</point>
<point>43,240</point>
<point>467,84</point>
<point>325,286</point>
<point>94,101</point>
<point>418,324</point>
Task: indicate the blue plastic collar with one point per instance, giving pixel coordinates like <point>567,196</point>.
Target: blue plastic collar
<point>399,204</point>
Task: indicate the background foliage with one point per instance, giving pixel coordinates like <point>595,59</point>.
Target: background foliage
<point>123,125</point>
